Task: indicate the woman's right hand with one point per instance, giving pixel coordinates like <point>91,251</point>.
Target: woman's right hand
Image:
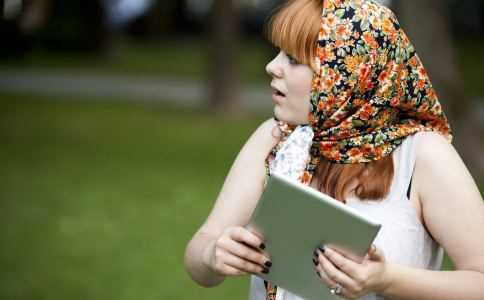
<point>237,251</point>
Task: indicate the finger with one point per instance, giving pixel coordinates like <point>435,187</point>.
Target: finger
<point>376,254</point>
<point>255,232</point>
<point>243,265</point>
<point>229,270</point>
<point>264,252</point>
<point>243,235</point>
<point>331,283</point>
<point>346,253</point>
<point>342,263</point>
<point>247,253</point>
<point>334,273</point>
<point>324,277</point>
<point>262,246</point>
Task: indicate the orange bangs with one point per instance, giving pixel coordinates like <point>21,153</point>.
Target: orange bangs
<point>294,28</point>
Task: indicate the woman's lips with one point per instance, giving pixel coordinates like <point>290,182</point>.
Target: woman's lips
<point>277,97</point>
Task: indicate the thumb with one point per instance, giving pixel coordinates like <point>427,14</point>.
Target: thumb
<point>376,254</point>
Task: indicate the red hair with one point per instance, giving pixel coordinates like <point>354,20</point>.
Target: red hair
<point>294,28</point>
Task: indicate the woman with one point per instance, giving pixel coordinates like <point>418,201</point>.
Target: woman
<point>358,119</point>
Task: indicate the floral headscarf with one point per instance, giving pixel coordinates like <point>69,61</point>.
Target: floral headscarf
<point>369,92</point>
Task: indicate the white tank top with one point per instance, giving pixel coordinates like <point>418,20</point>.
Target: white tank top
<point>403,238</point>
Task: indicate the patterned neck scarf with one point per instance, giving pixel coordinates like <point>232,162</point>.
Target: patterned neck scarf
<point>369,92</point>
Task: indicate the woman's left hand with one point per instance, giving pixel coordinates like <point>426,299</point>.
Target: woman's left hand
<point>355,279</point>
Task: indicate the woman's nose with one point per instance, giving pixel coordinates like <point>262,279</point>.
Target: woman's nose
<point>274,68</point>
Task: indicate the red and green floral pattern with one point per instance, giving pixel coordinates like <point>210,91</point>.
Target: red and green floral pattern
<point>371,89</point>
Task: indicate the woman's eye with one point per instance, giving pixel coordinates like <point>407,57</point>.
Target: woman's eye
<point>292,60</point>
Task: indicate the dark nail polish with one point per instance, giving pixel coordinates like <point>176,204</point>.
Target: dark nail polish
<point>268,263</point>
<point>317,272</point>
<point>265,270</point>
<point>262,246</point>
<point>316,254</point>
<point>322,248</point>
<point>315,261</point>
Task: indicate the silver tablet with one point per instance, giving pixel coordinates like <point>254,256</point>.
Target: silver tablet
<point>294,220</point>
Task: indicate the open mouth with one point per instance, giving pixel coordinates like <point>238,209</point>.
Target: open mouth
<point>276,92</point>
<point>280,94</point>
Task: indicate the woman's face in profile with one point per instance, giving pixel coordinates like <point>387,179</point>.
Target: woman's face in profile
<point>291,88</point>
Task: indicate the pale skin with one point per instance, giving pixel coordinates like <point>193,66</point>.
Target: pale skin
<point>444,195</point>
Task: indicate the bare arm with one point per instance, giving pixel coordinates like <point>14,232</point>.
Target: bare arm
<point>453,212</point>
<point>234,205</point>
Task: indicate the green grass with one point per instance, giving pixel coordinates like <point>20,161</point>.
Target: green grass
<point>98,201</point>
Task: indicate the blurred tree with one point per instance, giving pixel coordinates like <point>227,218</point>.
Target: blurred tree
<point>427,24</point>
<point>34,16</point>
<point>75,25</point>
<point>19,24</point>
<point>223,85</point>
<point>148,25</point>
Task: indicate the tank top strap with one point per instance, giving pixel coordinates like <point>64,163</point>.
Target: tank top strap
<point>404,163</point>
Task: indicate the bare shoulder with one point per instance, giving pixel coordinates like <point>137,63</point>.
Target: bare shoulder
<point>262,140</point>
<point>440,171</point>
<point>268,124</point>
<point>253,154</point>
<point>439,167</point>
<point>432,146</point>
<point>267,133</point>
<point>435,154</point>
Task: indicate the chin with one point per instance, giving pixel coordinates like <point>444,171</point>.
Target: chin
<point>280,115</point>
<point>286,119</point>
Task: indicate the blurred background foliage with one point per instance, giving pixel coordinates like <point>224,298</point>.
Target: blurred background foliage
<point>120,118</point>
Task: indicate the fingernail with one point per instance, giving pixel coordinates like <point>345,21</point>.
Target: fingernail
<point>317,272</point>
<point>316,254</point>
<point>315,261</point>
<point>265,270</point>
<point>322,248</point>
<point>262,246</point>
<point>268,263</point>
